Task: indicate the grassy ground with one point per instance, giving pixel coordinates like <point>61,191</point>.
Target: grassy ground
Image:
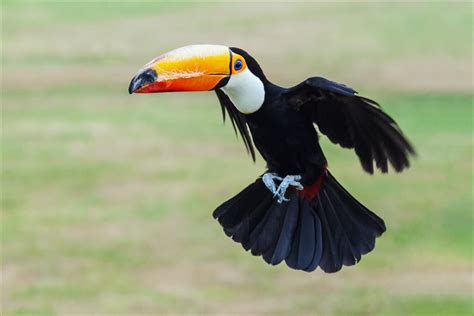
<point>107,198</point>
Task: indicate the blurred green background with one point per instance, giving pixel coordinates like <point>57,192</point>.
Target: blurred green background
<point>107,198</point>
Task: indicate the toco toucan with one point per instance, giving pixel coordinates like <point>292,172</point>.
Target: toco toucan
<point>296,211</point>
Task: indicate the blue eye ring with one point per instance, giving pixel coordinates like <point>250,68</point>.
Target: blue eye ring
<point>238,65</point>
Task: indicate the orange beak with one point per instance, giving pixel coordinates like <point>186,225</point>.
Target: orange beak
<point>189,68</point>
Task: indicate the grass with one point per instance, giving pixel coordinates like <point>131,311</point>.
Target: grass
<point>107,198</point>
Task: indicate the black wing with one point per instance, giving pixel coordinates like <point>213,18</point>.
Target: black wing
<point>237,119</point>
<point>353,121</point>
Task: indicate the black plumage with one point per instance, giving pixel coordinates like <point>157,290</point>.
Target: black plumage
<point>323,225</point>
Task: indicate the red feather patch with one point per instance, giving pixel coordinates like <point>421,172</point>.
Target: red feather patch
<point>311,191</point>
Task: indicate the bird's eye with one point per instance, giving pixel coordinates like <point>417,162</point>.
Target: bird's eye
<point>238,65</point>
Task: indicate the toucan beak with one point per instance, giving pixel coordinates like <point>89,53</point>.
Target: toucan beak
<point>189,68</point>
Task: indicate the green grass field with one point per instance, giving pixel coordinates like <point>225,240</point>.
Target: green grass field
<point>107,198</point>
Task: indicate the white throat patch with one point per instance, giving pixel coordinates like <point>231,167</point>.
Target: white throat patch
<point>246,91</point>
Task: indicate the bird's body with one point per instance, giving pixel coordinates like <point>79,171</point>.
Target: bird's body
<point>296,211</point>
<point>286,137</point>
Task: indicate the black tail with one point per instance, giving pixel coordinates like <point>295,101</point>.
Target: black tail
<point>329,230</point>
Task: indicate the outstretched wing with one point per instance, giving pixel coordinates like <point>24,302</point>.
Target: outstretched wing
<point>237,119</point>
<point>353,121</point>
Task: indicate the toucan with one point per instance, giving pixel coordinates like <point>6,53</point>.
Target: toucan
<point>296,211</point>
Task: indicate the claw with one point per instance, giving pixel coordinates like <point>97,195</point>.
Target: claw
<point>290,180</point>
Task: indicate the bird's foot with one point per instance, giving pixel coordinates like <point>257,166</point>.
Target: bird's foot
<point>290,180</point>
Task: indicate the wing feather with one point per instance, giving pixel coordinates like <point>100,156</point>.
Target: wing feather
<point>353,121</point>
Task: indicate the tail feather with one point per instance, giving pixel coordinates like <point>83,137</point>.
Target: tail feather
<point>237,208</point>
<point>367,218</point>
<point>255,219</point>
<point>331,259</point>
<point>283,245</point>
<point>241,232</point>
<point>338,249</point>
<point>303,251</point>
<point>266,233</point>
<point>330,229</point>
<point>318,251</point>
<point>359,240</point>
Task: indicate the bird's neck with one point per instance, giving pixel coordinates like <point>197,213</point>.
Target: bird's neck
<point>246,91</point>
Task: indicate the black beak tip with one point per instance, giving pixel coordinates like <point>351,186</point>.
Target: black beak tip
<point>143,78</point>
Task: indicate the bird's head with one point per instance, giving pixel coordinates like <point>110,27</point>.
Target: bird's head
<point>204,68</point>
